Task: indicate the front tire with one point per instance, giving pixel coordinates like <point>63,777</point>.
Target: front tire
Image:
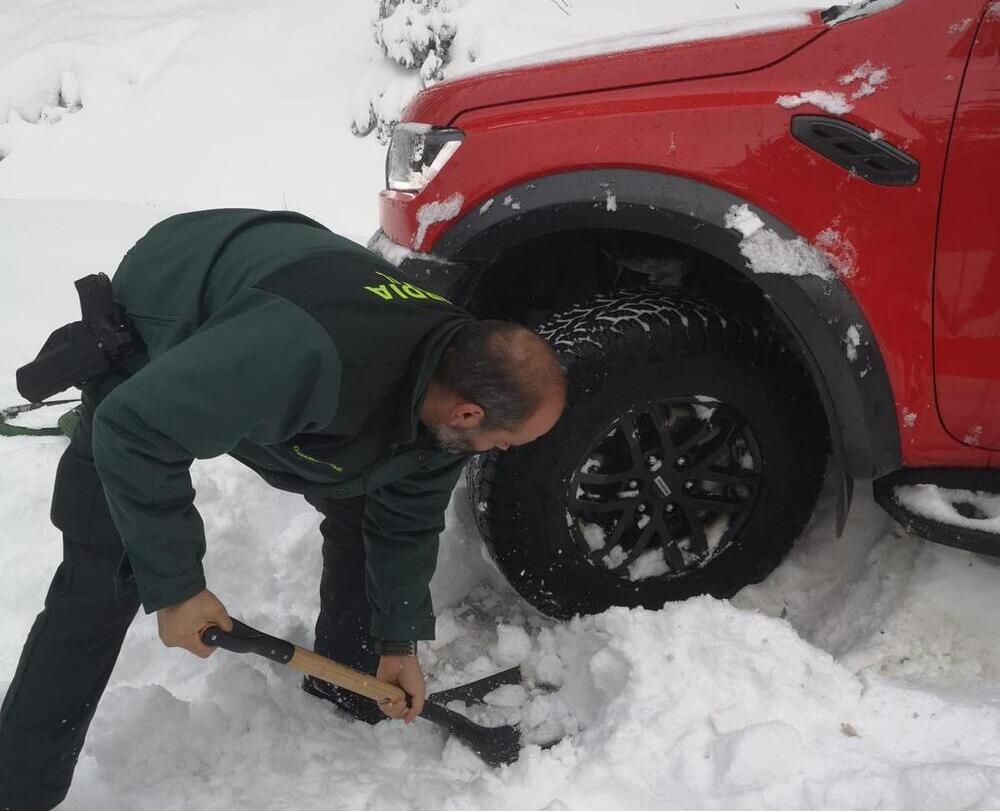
<point>688,460</point>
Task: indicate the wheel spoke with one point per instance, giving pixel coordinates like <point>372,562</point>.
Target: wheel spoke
<point>719,504</point>
<point>600,479</point>
<point>630,431</point>
<point>699,542</point>
<point>704,434</point>
<point>661,421</point>
<point>746,478</point>
<point>671,552</point>
<point>624,523</point>
<point>639,546</point>
<point>708,453</point>
<point>615,505</point>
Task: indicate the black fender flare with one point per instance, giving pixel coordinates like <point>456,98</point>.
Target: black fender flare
<point>818,311</point>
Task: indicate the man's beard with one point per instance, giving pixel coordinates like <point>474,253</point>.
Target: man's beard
<point>455,440</point>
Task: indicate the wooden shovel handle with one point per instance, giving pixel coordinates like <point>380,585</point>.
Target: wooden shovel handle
<point>244,639</point>
<point>321,667</point>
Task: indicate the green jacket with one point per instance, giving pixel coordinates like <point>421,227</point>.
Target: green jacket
<point>298,353</point>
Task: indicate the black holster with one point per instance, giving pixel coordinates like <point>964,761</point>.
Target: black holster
<point>76,352</point>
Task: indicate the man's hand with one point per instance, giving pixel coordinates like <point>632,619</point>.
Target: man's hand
<point>405,672</point>
<point>181,624</point>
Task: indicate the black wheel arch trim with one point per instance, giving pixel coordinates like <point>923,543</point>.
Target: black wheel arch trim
<point>856,394</point>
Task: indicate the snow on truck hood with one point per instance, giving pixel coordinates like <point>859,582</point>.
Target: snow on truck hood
<point>695,50</point>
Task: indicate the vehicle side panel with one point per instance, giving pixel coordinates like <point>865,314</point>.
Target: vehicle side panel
<point>729,132</point>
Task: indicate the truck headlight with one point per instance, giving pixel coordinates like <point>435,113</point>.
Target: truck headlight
<point>416,153</point>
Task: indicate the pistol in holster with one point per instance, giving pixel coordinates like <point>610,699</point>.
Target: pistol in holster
<point>79,351</point>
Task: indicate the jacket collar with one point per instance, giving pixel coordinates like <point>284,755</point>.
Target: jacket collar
<point>425,360</point>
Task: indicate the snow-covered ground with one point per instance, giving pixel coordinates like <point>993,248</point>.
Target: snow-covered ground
<point>861,675</point>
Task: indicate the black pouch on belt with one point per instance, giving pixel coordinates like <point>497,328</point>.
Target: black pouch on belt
<point>78,351</point>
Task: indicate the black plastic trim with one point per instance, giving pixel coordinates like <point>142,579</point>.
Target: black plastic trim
<point>977,479</point>
<point>856,396</point>
<point>852,148</point>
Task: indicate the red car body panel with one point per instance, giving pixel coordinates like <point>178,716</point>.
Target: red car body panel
<point>726,129</point>
<point>445,102</point>
<point>967,277</point>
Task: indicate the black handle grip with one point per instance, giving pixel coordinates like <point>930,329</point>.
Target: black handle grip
<point>244,639</point>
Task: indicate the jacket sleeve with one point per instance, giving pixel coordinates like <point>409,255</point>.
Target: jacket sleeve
<point>259,369</point>
<point>401,525</point>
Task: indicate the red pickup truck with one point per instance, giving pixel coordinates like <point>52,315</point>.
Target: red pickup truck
<point>767,254</point>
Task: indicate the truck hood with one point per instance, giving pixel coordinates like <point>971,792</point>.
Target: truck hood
<point>702,50</point>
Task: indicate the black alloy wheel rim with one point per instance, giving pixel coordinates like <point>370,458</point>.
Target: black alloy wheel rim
<point>666,488</point>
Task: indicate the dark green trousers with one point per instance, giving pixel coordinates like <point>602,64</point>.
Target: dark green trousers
<point>72,646</point>
<point>74,643</point>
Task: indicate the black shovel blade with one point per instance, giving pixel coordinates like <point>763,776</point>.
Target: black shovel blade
<point>497,746</point>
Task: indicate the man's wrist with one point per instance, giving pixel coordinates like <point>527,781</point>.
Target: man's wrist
<point>387,647</point>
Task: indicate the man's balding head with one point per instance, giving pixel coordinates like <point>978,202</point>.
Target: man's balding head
<point>498,384</point>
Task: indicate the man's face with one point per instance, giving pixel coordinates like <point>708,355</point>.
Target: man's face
<point>458,439</point>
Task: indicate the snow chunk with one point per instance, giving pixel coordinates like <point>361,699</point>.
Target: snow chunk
<point>513,645</point>
<point>975,435</point>
<point>611,201</point>
<point>511,202</point>
<point>831,102</point>
<point>393,252</point>
<point>836,102</point>
<point>941,504</point>
<point>435,212</point>
<point>852,340</point>
<point>742,219</point>
<point>650,563</point>
<point>868,75</point>
<point>766,252</point>
<point>960,27</point>
<point>507,696</point>
<point>594,535</point>
<point>486,206</point>
<point>909,418</point>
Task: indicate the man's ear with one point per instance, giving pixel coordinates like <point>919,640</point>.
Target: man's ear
<point>466,415</point>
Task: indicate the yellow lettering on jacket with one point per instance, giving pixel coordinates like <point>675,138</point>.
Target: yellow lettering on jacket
<point>381,291</point>
<point>401,290</point>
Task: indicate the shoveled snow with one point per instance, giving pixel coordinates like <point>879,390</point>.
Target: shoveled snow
<point>767,252</point>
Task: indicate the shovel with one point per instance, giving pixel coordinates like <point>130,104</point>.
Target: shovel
<point>495,745</point>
